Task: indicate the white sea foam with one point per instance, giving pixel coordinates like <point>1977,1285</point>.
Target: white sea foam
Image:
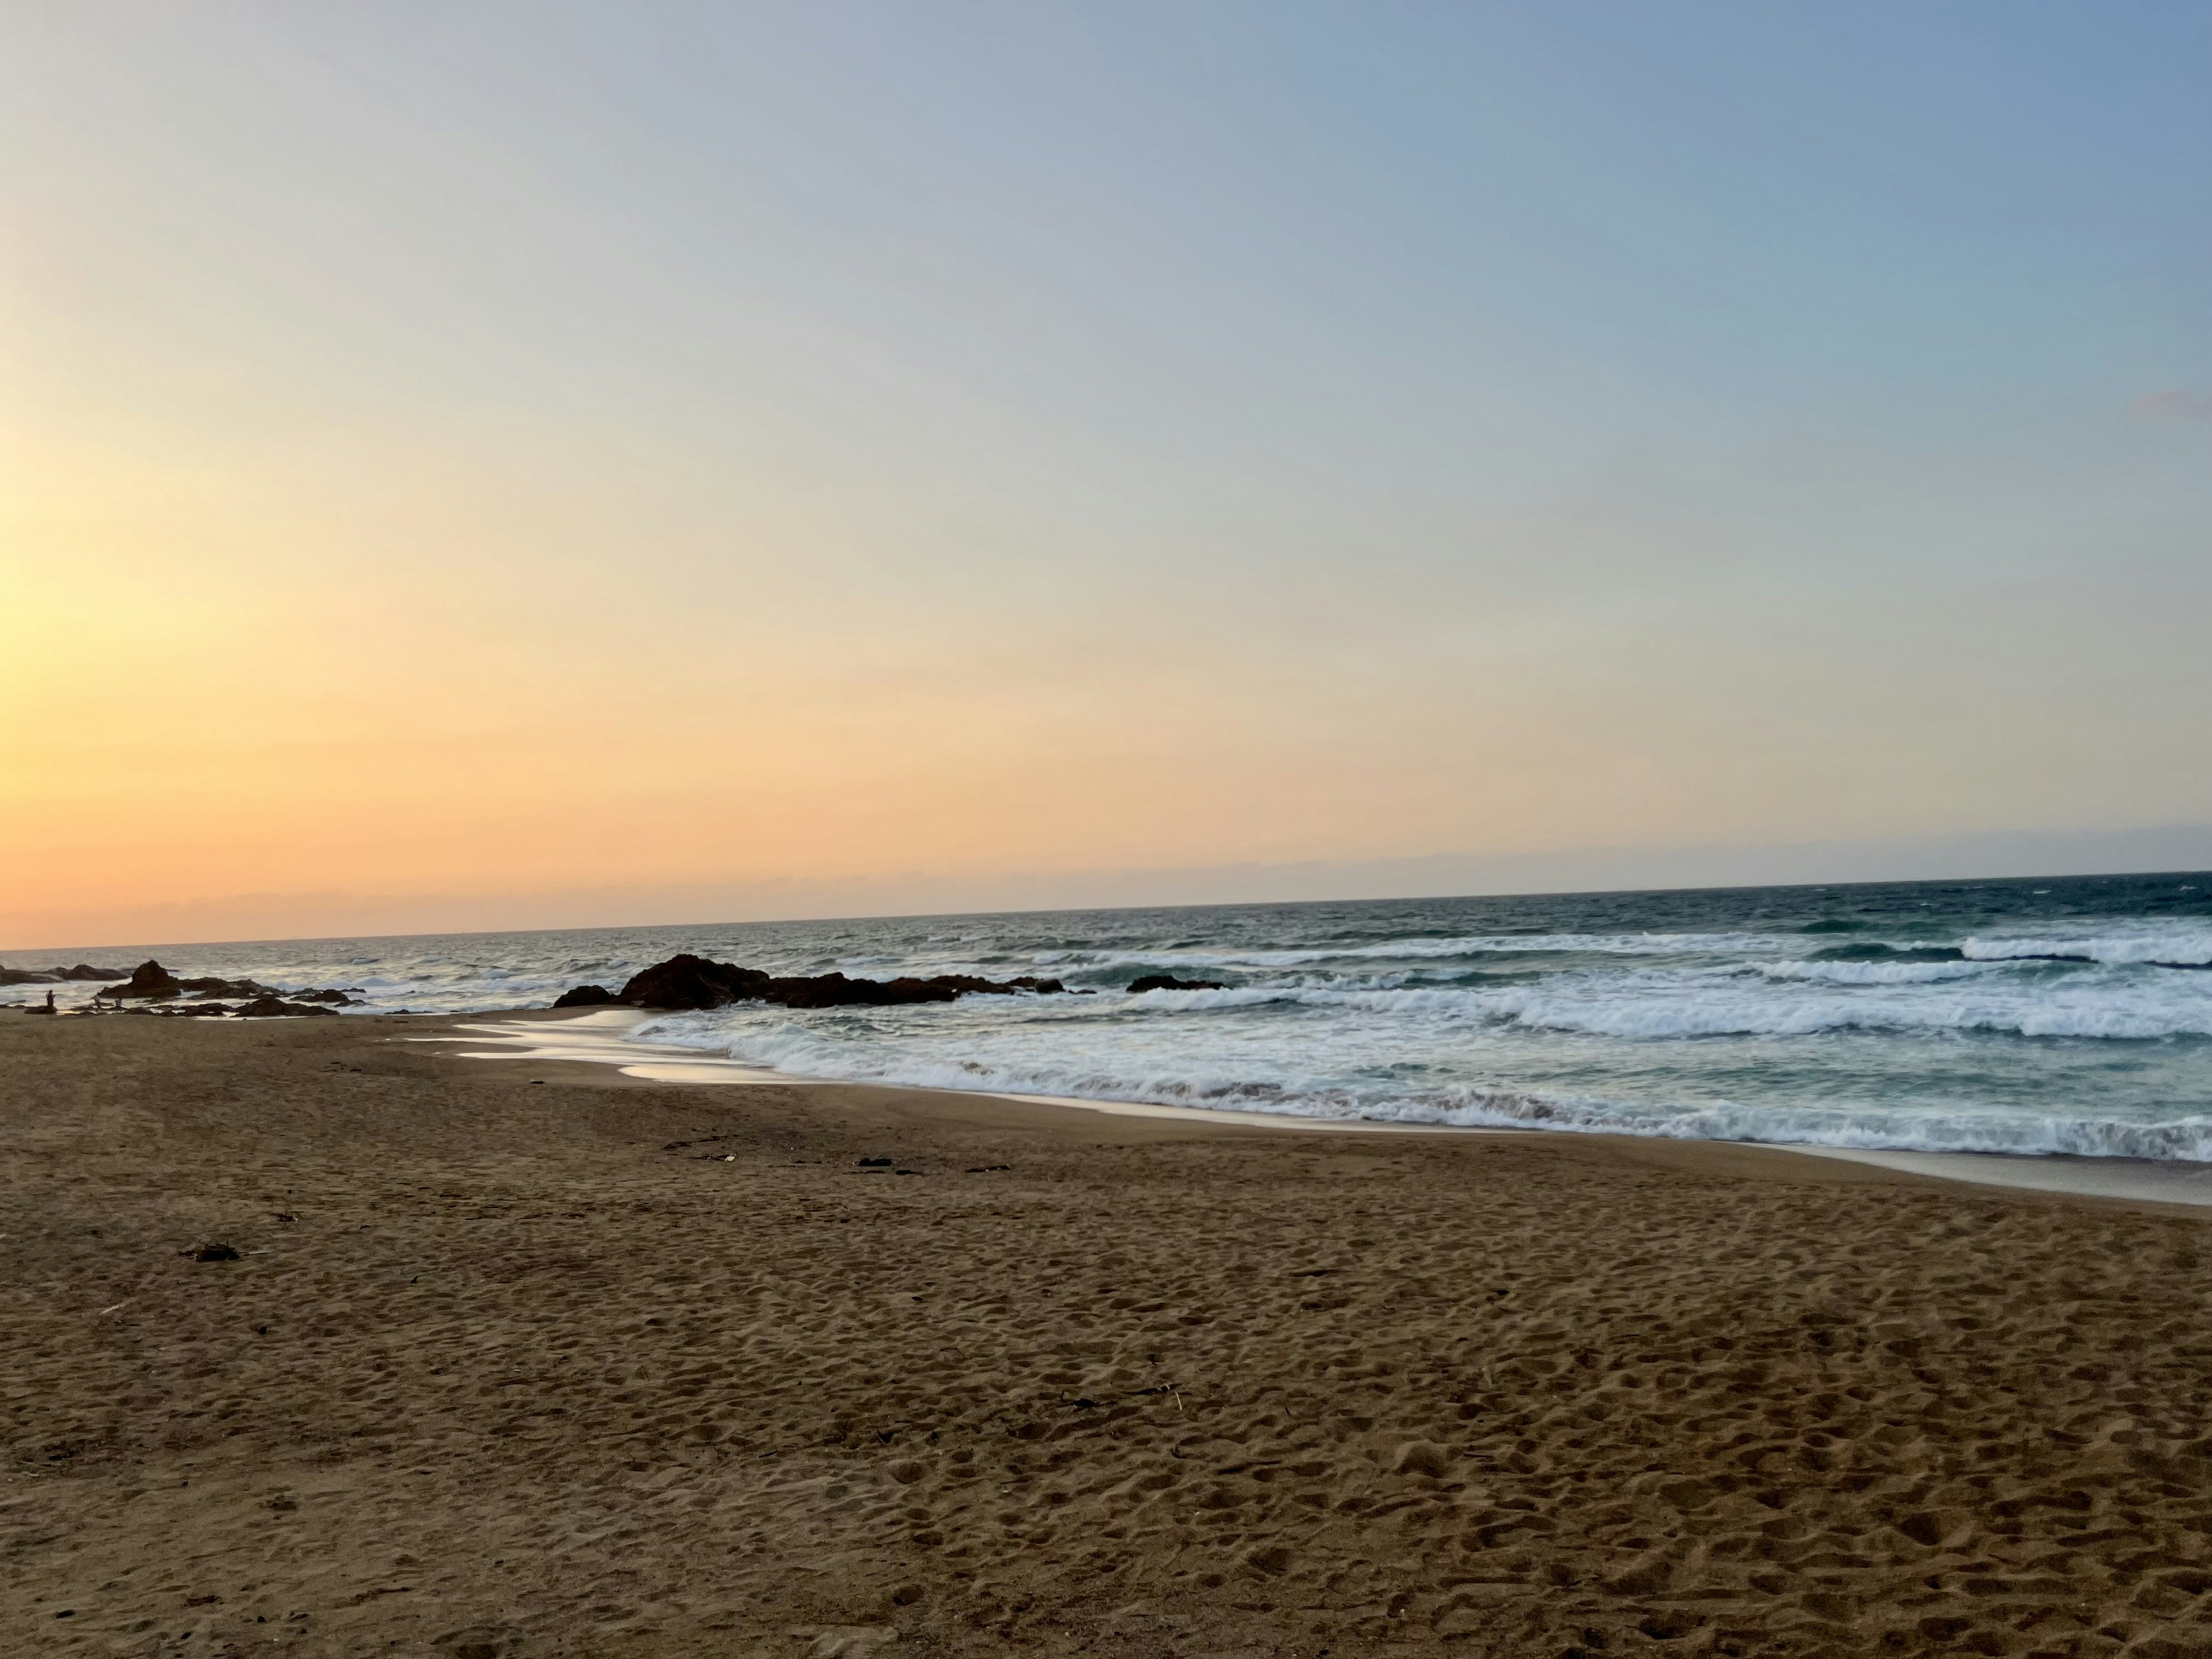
<point>2183,944</point>
<point>1650,1007</point>
<point>793,1047</point>
<point>1873,973</point>
<point>1621,1013</point>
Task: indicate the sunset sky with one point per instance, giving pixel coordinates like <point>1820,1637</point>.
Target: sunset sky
<point>540,465</point>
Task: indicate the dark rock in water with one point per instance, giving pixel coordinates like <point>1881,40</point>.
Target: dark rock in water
<point>1170,982</point>
<point>215,1253</point>
<point>208,986</point>
<point>150,979</point>
<point>584,996</point>
<point>689,981</point>
<point>967,984</point>
<point>274,1007</point>
<point>154,981</point>
<point>84,970</point>
<point>836,991</point>
<point>26,977</point>
<point>875,1164</point>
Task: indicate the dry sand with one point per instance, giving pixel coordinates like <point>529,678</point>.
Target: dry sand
<point>600,1367</point>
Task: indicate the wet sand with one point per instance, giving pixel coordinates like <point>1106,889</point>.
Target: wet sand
<point>598,1365</point>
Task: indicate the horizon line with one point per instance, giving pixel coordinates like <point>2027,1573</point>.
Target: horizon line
<point>1099,910</point>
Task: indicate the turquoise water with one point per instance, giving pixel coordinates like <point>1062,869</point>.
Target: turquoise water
<point>2069,1015</point>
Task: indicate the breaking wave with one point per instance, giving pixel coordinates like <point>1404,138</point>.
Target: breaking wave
<point>789,1046</point>
<point>2192,948</point>
<point>2063,1015</point>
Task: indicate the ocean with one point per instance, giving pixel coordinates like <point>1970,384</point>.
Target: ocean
<point>2056,1015</point>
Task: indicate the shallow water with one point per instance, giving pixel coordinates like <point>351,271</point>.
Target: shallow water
<point>2069,1015</point>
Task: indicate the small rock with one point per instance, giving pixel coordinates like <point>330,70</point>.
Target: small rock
<point>1170,982</point>
<point>1425,1457</point>
<point>216,1253</point>
<point>273,1007</point>
<point>584,996</point>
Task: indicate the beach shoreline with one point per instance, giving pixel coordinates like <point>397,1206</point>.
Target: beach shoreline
<point>325,1340</point>
<point>589,1037</point>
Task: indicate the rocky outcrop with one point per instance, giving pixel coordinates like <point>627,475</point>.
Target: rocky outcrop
<point>274,1007</point>
<point>56,975</point>
<point>87,971</point>
<point>689,981</point>
<point>693,982</point>
<point>967,984</point>
<point>836,991</point>
<point>267,1007</point>
<point>1170,982</point>
<point>154,982</point>
<point>585,996</point>
<point>209,985</point>
<point>25,977</point>
<point>150,979</point>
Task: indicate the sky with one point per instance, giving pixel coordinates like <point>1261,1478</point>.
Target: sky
<point>513,464</point>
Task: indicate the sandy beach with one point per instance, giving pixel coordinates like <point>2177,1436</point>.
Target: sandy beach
<point>541,1359</point>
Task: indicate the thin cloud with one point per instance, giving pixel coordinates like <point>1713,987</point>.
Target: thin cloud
<point>2172,404</point>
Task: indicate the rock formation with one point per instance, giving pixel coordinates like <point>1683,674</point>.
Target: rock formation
<point>277,1007</point>
<point>585,996</point>
<point>692,982</point>
<point>152,982</point>
<point>1170,982</point>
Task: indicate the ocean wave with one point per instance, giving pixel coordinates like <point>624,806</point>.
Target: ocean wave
<point>1649,1008</point>
<point>800,1050</point>
<point>1603,1012</point>
<point>1416,950</point>
<point>1874,952</point>
<point>2178,947</point>
<point>1875,973</point>
<point>1712,1013</point>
